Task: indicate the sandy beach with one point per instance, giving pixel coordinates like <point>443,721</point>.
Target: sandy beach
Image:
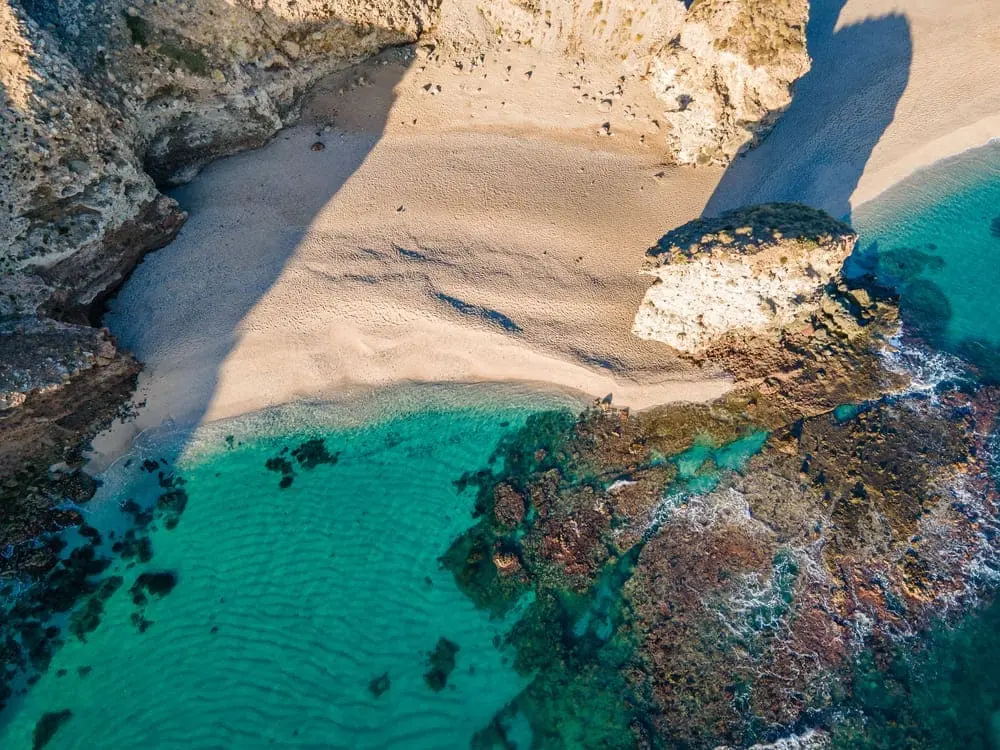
<point>469,223</point>
<point>894,87</point>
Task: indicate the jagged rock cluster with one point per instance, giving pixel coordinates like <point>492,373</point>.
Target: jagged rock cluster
<point>673,613</point>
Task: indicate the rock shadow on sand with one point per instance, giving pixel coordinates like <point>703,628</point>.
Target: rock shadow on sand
<point>817,152</point>
<point>222,266</point>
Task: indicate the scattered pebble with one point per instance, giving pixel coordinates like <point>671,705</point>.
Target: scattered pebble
<point>318,146</point>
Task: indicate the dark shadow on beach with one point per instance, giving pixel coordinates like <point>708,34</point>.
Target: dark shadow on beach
<point>226,258</point>
<point>205,308</point>
<point>817,152</point>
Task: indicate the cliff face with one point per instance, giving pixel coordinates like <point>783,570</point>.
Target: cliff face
<point>104,102</point>
<point>723,69</point>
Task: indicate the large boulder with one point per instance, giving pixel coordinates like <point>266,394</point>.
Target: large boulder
<point>753,270</point>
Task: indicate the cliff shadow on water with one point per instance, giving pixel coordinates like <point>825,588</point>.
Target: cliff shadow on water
<point>818,150</point>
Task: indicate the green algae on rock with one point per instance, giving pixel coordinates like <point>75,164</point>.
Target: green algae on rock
<point>688,614</point>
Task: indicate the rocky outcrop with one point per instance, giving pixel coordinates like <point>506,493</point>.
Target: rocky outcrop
<point>759,293</point>
<point>59,384</point>
<point>751,271</point>
<point>729,74</point>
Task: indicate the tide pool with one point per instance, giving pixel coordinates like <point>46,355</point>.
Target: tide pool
<point>308,599</point>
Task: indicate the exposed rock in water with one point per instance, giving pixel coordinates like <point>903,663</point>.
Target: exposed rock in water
<point>673,616</point>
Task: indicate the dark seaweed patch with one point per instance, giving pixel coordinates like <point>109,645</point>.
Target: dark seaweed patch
<point>157,584</point>
<point>379,685</point>
<point>47,726</point>
<point>86,618</point>
<point>312,453</point>
<point>279,464</point>
<point>172,504</point>
<point>441,663</point>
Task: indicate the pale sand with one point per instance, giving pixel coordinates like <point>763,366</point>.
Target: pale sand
<point>952,99</point>
<point>896,85</point>
<point>297,276</point>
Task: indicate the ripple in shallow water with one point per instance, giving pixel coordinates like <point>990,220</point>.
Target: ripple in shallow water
<point>298,616</point>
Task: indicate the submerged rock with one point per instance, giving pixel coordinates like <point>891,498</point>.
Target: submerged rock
<point>47,726</point>
<point>380,685</point>
<point>441,663</point>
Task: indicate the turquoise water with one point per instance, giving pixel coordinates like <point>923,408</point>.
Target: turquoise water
<point>301,617</point>
<point>935,238</point>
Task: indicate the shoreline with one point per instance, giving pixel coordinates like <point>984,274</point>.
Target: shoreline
<point>979,135</point>
<point>458,229</point>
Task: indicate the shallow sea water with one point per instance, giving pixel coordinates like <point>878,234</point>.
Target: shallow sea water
<point>935,238</point>
<point>290,602</point>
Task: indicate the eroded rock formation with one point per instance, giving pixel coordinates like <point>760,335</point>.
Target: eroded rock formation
<point>698,583</point>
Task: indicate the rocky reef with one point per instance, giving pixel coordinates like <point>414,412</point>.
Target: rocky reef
<point>729,574</point>
<point>697,581</point>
